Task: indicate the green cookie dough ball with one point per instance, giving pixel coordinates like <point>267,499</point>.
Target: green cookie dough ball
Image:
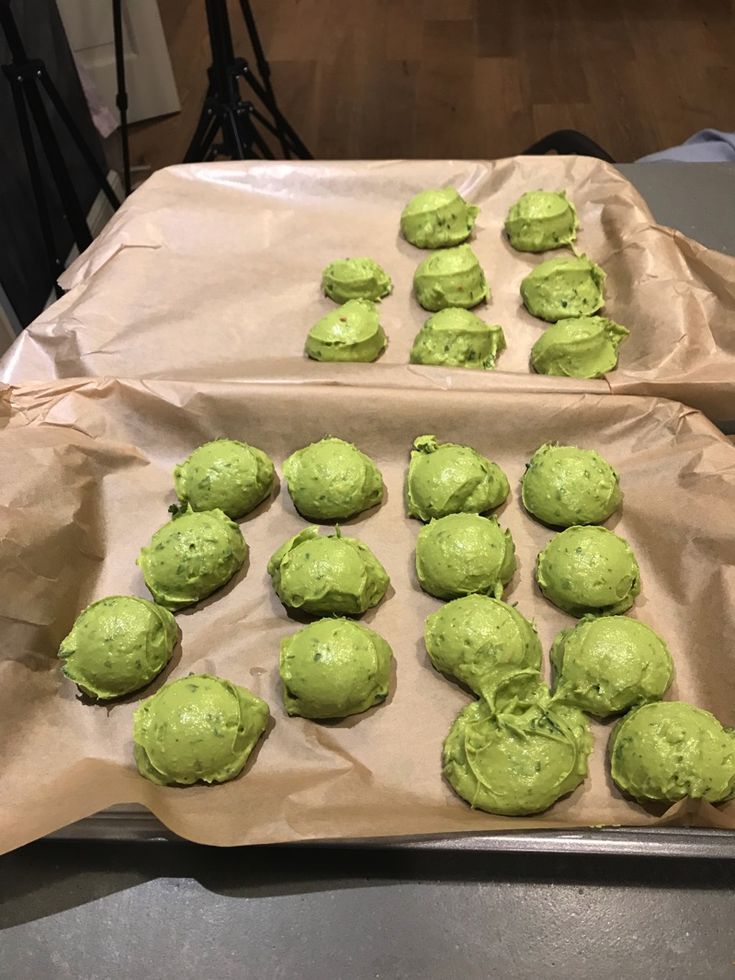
<point>224,475</point>
<point>605,666</point>
<point>464,553</point>
<point>348,279</point>
<point>560,288</point>
<point>583,347</point>
<point>450,278</point>
<point>198,728</point>
<point>332,480</point>
<point>563,486</point>
<point>333,668</point>
<point>540,220</point>
<point>434,219</point>
<point>191,557</point>
<point>458,338</point>
<point>588,570</point>
<point>471,638</point>
<point>323,575</point>
<point>350,333</point>
<point>518,752</point>
<point>118,645</point>
<point>445,478</point>
<point>669,750</point>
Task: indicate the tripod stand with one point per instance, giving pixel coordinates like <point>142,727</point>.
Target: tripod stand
<point>225,114</point>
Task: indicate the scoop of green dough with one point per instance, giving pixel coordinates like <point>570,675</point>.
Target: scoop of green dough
<point>323,575</point>
<point>669,750</point>
<point>452,277</point>
<point>464,553</point>
<point>470,638</point>
<point>445,478</point>
<point>540,220</point>
<point>580,347</point>
<point>434,219</point>
<point>332,480</point>
<point>560,288</point>
<point>224,475</point>
<point>564,485</point>
<point>518,751</point>
<point>588,570</point>
<point>198,728</point>
<point>609,664</point>
<point>118,645</point>
<point>350,333</point>
<point>191,557</point>
<point>333,668</point>
<point>348,279</point>
<point>458,338</point>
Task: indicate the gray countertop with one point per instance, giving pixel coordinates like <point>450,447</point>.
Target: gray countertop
<point>163,910</point>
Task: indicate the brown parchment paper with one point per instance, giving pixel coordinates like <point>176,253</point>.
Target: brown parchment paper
<point>85,478</point>
<point>213,270</point>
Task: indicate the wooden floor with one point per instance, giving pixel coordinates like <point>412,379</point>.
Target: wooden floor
<point>469,78</point>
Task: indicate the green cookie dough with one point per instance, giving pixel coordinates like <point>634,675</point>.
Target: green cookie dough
<point>518,751</point>
<point>580,347</point>
<point>609,664</point>
<point>332,480</point>
<point>588,570</point>
<point>452,277</point>
<point>118,645</point>
<point>224,475</point>
<point>350,333</point>
<point>446,478</point>
<point>434,219</point>
<point>197,729</point>
<point>458,338</point>
<point>560,288</point>
<point>564,485</point>
<point>464,553</point>
<point>348,279</point>
<point>191,557</point>
<point>669,750</point>
<point>473,637</point>
<point>541,220</point>
<point>323,575</point>
<point>333,668</point>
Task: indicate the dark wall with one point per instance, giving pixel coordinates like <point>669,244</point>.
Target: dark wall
<point>24,271</point>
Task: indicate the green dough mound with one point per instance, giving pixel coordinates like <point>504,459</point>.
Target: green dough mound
<point>669,750</point>
<point>334,668</point>
<point>197,729</point>
<point>458,338</point>
<point>560,288</point>
<point>446,478</point>
<point>580,347</point>
<point>437,218</point>
<point>332,480</point>
<point>471,638</point>
<point>118,645</point>
<point>191,557</point>
<point>564,485</point>
<point>588,570</point>
<point>516,752</point>
<point>541,220</point>
<point>450,278</point>
<point>461,554</point>
<point>362,278</point>
<point>225,475</point>
<point>607,665</point>
<point>350,333</point>
<point>325,575</point>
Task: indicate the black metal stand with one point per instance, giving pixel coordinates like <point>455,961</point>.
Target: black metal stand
<point>122,95</point>
<point>568,141</point>
<point>230,126</point>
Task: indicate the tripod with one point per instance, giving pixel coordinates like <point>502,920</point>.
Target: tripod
<point>225,114</point>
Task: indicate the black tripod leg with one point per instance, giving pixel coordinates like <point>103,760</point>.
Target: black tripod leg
<point>203,137</point>
<point>268,97</point>
<point>233,139</point>
<point>122,95</point>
